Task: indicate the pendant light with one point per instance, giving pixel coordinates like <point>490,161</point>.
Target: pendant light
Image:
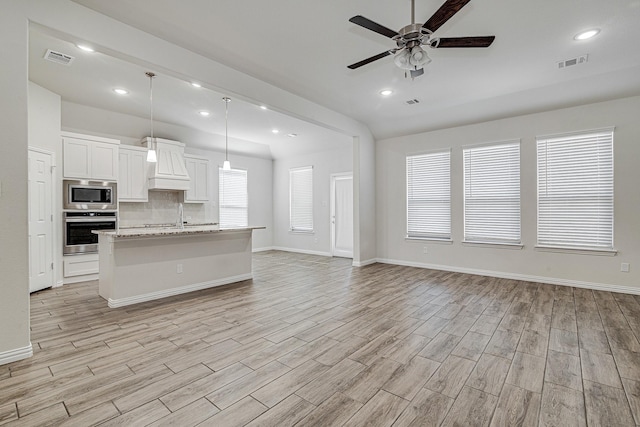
<point>226,166</point>
<point>151,154</point>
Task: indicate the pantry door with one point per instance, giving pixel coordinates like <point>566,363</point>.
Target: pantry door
<point>342,215</point>
<point>40,220</point>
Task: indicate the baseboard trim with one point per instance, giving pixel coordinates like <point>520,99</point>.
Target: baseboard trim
<point>515,276</point>
<point>364,263</point>
<point>265,249</point>
<point>301,251</point>
<point>122,302</point>
<point>16,354</point>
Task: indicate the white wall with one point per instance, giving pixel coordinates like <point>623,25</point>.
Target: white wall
<point>44,132</point>
<point>14,252</point>
<point>324,164</point>
<point>528,263</point>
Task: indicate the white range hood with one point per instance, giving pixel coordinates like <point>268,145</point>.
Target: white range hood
<point>170,171</point>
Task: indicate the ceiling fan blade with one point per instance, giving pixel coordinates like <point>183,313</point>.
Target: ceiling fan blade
<point>373,26</point>
<point>442,15</point>
<point>482,41</point>
<point>368,60</point>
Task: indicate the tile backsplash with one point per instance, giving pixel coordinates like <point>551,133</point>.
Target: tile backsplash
<point>162,208</point>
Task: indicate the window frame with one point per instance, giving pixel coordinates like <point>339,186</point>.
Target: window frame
<point>294,228</point>
<point>513,241</point>
<point>415,234</point>
<point>221,172</point>
<point>574,137</point>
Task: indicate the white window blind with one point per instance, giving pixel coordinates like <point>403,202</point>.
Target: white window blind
<point>492,193</point>
<point>429,195</point>
<point>234,200</point>
<point>301,199</point>
<point>575,190</point>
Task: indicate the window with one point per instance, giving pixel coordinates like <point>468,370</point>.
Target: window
<point>575,190</point>
<point>234,200</point>
<point>492,193</point>
<point>301,199</point>
<point>429,196</point>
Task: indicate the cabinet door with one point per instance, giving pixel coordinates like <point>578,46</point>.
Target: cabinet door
<point>124,176</point>
<point>202,181</point>
<point>138,176</point>
<point>132,179</point>
<point>104,161</point>
<point>77,158</point>
<point>190,194</point>
<point>198,170</point>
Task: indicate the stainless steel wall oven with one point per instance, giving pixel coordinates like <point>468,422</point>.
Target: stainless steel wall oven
<point>78,238</point>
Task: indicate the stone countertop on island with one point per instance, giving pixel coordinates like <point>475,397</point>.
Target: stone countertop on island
<point>169,231</point>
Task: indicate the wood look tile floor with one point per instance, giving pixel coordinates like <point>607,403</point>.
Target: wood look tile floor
<point>312,341</point>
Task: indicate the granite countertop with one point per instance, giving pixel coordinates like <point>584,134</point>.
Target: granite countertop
<point>169,231</point>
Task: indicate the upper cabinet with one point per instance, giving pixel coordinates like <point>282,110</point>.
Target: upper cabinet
<point>90,157</point>
<point>132,179</point>
<point>198,169</point>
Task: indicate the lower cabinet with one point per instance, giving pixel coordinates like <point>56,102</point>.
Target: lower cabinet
<point>78,268</point>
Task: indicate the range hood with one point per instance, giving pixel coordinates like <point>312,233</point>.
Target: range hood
<point>170,171</point>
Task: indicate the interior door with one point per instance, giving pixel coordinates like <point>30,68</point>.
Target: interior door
<point>40,221</point>
<point>342,215</point>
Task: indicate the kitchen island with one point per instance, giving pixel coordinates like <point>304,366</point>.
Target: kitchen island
<point>144,264</point>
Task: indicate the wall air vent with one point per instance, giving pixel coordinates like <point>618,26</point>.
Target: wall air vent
<point>582,59</point>
<point>58,57</point>
<point>412,101</point>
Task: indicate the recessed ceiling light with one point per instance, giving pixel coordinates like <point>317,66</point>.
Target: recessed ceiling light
<point>194,84</point>
<point>204,113</point>
<point>386,92</point>
<point>263,107</point>
<point>584,35</point>
<point>85,48</point>
<point>292,135</point>
<point>275,131</point>
<point>121,91</point>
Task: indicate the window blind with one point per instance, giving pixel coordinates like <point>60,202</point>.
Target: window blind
<point>301,199</point>
<point>492,193</point>
<point>429,195</point>
<point>575,190</point>
<point>234,200</point>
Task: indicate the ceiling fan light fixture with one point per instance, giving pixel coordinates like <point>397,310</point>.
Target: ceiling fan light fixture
<point>402,59</point>
<point>418,57</point>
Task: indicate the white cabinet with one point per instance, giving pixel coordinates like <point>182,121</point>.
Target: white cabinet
<point>132,179</point>
<point>90,157</point>
<point>198,169</point>
<point>80,268</point>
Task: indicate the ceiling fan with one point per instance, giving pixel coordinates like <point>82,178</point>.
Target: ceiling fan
<point>409,54</point>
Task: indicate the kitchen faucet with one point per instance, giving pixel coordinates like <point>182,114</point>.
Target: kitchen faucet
<point>180,220</point>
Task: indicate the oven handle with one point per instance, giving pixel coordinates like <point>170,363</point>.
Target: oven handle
<point>101,219</point>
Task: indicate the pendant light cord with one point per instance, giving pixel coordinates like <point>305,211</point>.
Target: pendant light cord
<point>226,128</point>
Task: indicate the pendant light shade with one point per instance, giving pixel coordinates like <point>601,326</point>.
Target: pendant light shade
<point>151,153</point>
<point>226,165</point>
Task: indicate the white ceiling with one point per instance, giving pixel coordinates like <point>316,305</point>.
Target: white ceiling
<point>304,47</point>
<point>90,79</point>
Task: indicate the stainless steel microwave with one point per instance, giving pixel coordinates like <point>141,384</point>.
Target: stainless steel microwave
<point>89,195</point>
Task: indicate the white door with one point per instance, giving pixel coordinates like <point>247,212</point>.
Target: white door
<point>342,215</point>
<point>40,221</point>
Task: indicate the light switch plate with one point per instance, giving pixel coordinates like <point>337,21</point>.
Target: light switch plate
<point>624,267</point>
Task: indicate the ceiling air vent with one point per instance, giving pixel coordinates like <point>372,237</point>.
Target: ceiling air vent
<point>58,57</point>
<point>582,59</point>
<point>412,101</point>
